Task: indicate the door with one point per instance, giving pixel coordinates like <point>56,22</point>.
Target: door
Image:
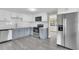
<point>69,22</point>
<point>60,36</point>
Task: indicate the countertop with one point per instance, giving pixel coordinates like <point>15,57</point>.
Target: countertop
<point>11,28</point>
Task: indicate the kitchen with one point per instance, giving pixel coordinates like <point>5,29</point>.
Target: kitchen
<point>44,27</point>
<point>15,25</point>
<point>15,22</point>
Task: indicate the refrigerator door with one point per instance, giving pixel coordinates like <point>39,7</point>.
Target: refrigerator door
<point>60,34</point>
<point>69,22</point>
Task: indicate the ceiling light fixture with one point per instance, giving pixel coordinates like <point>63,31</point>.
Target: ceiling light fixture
<point>32,9</point>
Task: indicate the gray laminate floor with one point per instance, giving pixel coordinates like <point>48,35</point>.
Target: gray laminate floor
<point>31,43</point>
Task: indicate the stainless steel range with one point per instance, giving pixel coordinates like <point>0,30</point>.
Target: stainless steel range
<point>36,30</point>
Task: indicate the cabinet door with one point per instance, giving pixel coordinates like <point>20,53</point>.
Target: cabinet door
<point>31,31</point>
<point>27,31</point>
<point>3,35</point>
<point>13,34</point>
<point>22,30</point>
<point>9,35</point>
<point>43,33</point>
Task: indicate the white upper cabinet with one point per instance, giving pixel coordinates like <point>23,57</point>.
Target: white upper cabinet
<point>67,10</point>
<point>44,17</point>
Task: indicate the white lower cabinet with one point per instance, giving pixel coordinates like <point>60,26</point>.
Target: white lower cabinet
<point>9,35</point>
<point>6,35</point>
<point>3,36</point>
<point>43,33</point>
<point>21,32</point>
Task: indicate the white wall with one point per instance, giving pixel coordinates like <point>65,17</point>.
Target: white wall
<point>5,17</point>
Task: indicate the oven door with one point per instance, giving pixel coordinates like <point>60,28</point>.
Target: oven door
<point>36,30</point>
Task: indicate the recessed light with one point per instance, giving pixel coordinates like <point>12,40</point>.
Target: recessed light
<point>32,9</point>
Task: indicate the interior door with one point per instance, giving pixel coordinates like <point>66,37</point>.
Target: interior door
<point>70,30</point>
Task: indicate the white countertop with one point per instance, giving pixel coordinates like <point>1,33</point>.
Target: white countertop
<point>10,25</point>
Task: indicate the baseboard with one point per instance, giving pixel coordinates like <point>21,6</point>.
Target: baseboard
<point>64,47</point>
<point>5,41</point>
<point>20,37</point>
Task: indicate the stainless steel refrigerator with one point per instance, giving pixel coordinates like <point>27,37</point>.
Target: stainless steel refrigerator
<point>69,33</point>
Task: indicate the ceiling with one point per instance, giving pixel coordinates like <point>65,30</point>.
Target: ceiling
<point>26,11</point>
